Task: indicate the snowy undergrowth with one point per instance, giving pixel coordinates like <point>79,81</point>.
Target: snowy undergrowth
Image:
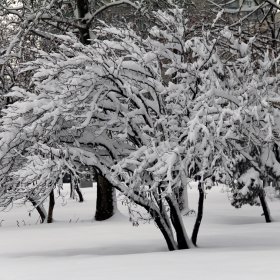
<point>233,243</point>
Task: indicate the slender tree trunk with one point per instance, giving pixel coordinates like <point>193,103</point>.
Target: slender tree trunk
<point>39,208</point>
<point>199,214</point>
<point>165,230</point>
<point>164,227</point>
<point>176,219</point>
<point>105,202</point>
<point>265,207</point>
<point>51,207</point>
<point>74,186</point>
<point>72,189</point>
<point>80,195</point>
<point>165,217</point>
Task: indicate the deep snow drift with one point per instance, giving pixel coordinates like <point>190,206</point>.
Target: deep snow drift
<point>233,244</point>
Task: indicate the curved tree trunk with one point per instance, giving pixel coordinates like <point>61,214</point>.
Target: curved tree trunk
<point>105,202</point>
<point>159,214</point>
<point>165,230</point>
<point>39,208</point>
<point>265,207</point>
<point>80,195</point>
<point>162,220</point>
<point>162,209</point>
<point>51,207</point>
<point>199,214</point>
<point>177,222</point>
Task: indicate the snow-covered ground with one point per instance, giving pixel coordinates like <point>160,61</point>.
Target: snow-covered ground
<point>233,244</point>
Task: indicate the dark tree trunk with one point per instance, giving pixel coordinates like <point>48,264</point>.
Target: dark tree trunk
<point>165,230</point>
<point>199,214</point>
<point>83,9</point>
<point>162,208</point>
<point>78,190</point>
<point>74,186</point>
<point>168,234</point>
<point>177,224</point>
<point>51,207</point>
<point>39,209</point>
<point>276,152</point>
<point>105,199</point>
<point>159,219</point>
<point>265,207</point>
<point>72,189</point>
<point>102,196</point>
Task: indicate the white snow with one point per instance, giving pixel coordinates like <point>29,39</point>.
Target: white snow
<point>233,244</point>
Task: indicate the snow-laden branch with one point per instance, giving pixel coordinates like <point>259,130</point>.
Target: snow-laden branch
<point>150,114</point>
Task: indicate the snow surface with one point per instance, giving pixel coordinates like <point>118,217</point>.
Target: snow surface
<point>233,244</point>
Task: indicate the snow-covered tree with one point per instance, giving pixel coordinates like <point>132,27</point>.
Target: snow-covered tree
<point>218,115</point>
<point>149,114</point>
<point>29,24</point>
<point>103,115</point>
<point>259,21</point>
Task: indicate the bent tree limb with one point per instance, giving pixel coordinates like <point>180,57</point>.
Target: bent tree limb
<point>39,208</point>
<point>199,213</point>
